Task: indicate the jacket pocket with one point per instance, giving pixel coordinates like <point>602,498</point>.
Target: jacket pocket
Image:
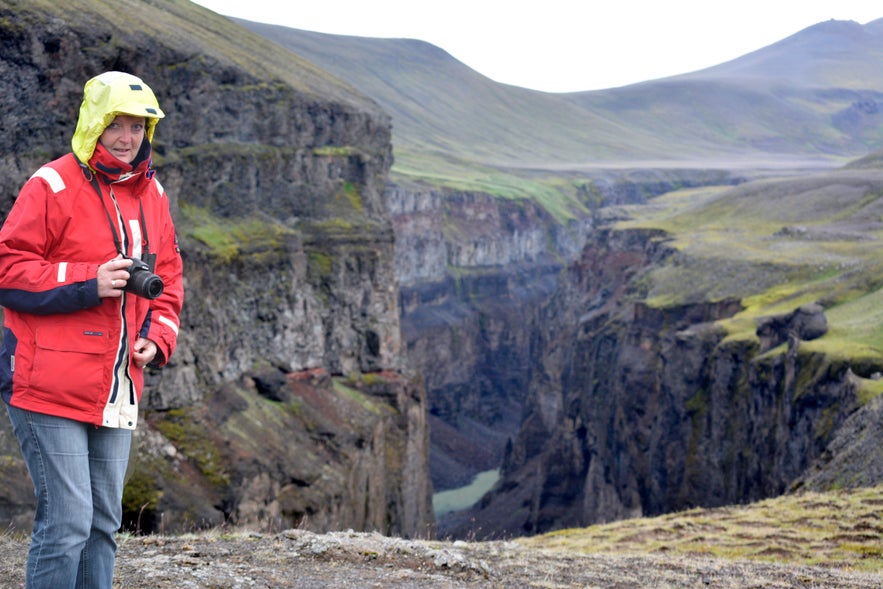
<point>69,363</point>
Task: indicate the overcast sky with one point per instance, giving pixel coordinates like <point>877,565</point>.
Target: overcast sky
<point>566,45</point>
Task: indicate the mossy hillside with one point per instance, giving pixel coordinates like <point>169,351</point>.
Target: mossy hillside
<point>193,30</point>
<point>869,389</point>
<point>351,194</point>
<point>258,236</point>
<point>556,200</point>
<point>273,184</point>
<point>241,433</point>
<point>186,430</point>
<point>347,387</point>
<point>838,529</point>
<point>322,421</point>
<point>246,154</point>
<point>776,245</point>
<point>563,199</point>
<point>259,241</point>
<point>228,239</point>
<point>335,151</point>
<point>321,265</point>
<point>345,208</point>
<point>854,325</point>
<point>336,405</point>
<point>251,426</point>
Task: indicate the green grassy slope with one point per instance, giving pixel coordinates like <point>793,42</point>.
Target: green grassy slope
<point>838,529</point>
<point>440,106</point>
<point>744,111</point>
<point>194,30</point>
<point>778,244</point>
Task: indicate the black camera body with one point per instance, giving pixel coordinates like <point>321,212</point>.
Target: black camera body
<point>142,281</point>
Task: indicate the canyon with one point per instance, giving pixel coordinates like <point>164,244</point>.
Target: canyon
<point>355,339</point>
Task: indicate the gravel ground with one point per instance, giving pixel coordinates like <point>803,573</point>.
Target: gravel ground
<point>342,560</point>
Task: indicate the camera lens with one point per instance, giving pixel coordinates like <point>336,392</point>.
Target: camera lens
<point>143,282</point>
<point>153,286</point>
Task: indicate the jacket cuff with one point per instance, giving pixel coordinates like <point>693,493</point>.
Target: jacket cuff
<point>87,294</point>
<point>165,344</point>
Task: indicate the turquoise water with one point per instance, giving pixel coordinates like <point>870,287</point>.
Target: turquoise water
<point>456,499</point>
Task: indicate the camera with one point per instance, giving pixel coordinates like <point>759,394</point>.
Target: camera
<point>142,281</point>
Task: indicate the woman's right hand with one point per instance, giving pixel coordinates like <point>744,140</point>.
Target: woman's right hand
<point>112,277</point>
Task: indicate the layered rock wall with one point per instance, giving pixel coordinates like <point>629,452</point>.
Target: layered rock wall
<point>638,411</point>
<point>277,192</point>
<point>473,269</point>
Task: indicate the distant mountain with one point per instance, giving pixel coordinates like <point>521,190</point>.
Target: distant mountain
<point>815,96</point>
<point>831,54</point>
<point>439,105</point>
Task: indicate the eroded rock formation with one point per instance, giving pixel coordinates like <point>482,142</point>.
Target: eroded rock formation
<point>286,403</point>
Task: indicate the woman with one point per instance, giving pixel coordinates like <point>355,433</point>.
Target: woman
<point>85,233</point>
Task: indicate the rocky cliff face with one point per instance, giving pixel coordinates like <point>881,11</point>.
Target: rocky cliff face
<point>286,403</point>
<point>473,269</point>
<point>637,411</point>
<point>476,275</point>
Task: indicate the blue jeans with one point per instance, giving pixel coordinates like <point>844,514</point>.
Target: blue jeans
<point>78,472</point>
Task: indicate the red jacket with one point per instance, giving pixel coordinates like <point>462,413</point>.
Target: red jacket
<point>65,351</point>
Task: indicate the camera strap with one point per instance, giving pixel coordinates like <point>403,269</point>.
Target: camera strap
<point>145,247</point>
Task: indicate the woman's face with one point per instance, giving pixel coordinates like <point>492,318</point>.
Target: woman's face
<point>123,137</point>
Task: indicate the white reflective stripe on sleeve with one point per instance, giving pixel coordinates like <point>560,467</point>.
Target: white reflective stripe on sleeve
<point>52,177</point>
<point>137,241</point>
<point>62,272</point>
<point>168,322</point>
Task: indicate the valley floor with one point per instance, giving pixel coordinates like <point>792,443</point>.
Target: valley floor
<point>304,560</point>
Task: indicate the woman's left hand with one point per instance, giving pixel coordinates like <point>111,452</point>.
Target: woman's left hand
<point>145,352</point>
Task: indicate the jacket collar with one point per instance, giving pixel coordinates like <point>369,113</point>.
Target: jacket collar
<point>115,170</point>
